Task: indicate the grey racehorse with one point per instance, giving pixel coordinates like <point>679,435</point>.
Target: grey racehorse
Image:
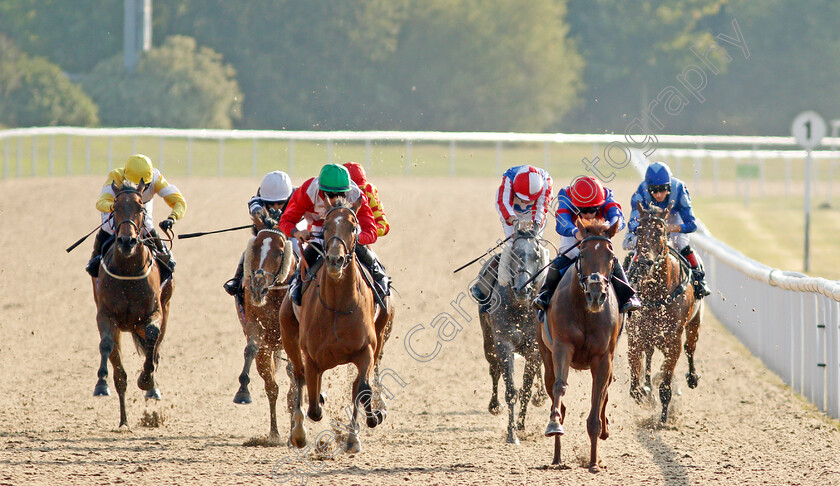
<point>509,324</point>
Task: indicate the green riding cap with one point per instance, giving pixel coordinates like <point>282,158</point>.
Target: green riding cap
<point>334,178</point>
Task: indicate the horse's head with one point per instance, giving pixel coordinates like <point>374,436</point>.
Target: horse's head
<point>339,239</point>
<point>267,261</point>
<point>652,234</point>
<point>595,265</point>
<point>129,213</point>
<point>526,258</point>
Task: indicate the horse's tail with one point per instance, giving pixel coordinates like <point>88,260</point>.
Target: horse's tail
<point>139,345</point>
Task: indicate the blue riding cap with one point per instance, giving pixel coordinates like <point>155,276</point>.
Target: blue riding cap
<point>657,174</point>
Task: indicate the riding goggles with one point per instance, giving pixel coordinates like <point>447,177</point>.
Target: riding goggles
<point>589,210</point>
<point>659,188</point>
<point>332,195</point>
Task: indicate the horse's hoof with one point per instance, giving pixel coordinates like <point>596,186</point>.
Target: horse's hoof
<point>322,398</point>
<point>145,381</point>
<point>594,469</point>
<point>298,440</point>
<point>692,379</point>
<point>242,397</point>
<point>101,390</point>
<point>553,429</point>
<point>154,393</point>
<point>637,394</point>
<point>353,445</point>
<point>495,408</point>
<point>512,439</point>
<point>375,418</point>
<point>538,400</point>
<point>315,415</point>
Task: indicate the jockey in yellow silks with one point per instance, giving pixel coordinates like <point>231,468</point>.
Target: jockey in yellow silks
<point>138,167</point>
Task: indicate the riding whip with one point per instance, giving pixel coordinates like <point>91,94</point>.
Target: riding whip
<point>195,235</point>
<point>549,263</point>
<point>74,245</point>
<point>482,255</point>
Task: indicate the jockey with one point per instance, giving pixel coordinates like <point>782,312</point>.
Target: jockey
<point>138,167</point>
<point>662,190</point>
<point>585,198</point>
<point>524,194</point>
<point>266,206</point>
<point>357,175</point>
<point>311,202</point>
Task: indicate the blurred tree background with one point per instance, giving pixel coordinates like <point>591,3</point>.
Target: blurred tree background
<point>492,65</point>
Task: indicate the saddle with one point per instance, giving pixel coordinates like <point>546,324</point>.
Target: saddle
<point>308,274</point>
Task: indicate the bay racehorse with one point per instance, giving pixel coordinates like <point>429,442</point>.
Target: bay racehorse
<point>664,285</point>
<point>129,297</point>
<point>509,323</point>
<point>268,266</point>
<point>583,324</point>
<point>338,323</point>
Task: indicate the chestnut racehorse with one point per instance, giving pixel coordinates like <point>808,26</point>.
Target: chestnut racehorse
<point>337,323</point>
<point>269,263</point>
<point>668,306</point>
<point>129,297</point>
<point>582,328</point>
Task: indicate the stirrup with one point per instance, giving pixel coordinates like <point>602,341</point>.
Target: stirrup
<point>632,304</point>
<point>541,302</point>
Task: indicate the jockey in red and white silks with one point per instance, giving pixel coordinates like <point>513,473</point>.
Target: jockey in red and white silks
<point>525,193</point>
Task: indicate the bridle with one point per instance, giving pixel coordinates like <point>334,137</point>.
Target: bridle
<point>140,238</point>
<point>271,278</point>
<point>594,278</point>
<point>347,248</point>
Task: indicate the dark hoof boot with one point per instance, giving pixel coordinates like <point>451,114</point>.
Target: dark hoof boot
<point>233,287</point>
<point>92,267</point>
<point>693,379</point>
<point>243,397</point>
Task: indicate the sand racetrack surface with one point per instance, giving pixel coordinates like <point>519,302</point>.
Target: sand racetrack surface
<point>742,425</point>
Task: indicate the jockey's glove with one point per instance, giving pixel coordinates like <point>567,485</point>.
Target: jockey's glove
<point>629,241</point>
<point>166,224</point>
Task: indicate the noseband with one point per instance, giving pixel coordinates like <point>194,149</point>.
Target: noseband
<point>142,212</point>
<point>593,278</point>
<point>271,278</point>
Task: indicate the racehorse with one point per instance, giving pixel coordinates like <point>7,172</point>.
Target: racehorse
<point>665,287</point>
<point>269,263</point>
<point>509,324</point>
<point>338,323</point>
<point>129,297</point>
<point>583,324</point>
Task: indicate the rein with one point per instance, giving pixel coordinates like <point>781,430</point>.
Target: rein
<point>141,240</point>
<point>656,264</point>
<point>273,276</point>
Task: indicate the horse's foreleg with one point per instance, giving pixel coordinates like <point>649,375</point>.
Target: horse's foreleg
<point>505,354</point>
<point>243,395</point>
<point>692,334</point>
<point>495,368</point>
<point>672,354</point>
<point>634,359</point>
<point>313,389</point>
<point>106,346</point>
<point>648,359</point>
<point>265,367</point>
<point>601,369</point>
<point>151,333</point>
<point>561,358</point>
<point>120,379</point>
<point>532,368</point>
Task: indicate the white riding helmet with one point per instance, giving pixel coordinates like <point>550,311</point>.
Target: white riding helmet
<point>275,187</point>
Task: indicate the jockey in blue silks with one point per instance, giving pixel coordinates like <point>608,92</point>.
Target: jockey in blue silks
<point>661,189</point>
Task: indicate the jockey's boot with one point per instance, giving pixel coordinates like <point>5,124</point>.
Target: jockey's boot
<point>701,288</point>
<point>627,299</point>
<point>556,271</point>
<point>294,287</point>
<point>234,286</point>
<point>92,267</point>
<point>163,254</point>
<point>368,258</point>
<point>485,281</point>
